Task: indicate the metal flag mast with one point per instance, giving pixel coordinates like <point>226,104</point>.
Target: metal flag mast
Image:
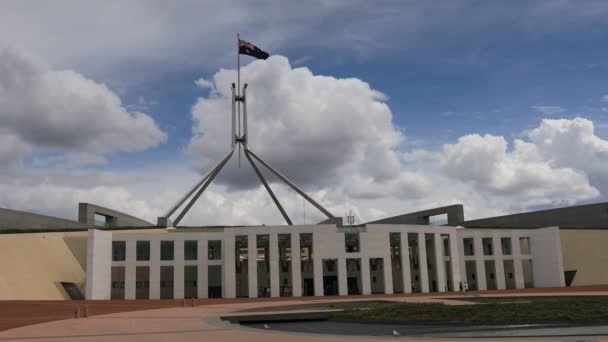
<point>239,137</point>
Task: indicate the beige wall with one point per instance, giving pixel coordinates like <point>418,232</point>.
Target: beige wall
<point>33,265</point>
<point>586,251</point>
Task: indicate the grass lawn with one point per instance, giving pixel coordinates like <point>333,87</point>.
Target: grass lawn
<point>486,310</point>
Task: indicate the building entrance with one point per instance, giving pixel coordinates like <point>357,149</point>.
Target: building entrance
<point>330,286</point>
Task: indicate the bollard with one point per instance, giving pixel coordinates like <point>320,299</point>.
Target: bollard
<point>193,302</point>
<point>76,312</point>
<point>85,311</point>
<point>184,303</point>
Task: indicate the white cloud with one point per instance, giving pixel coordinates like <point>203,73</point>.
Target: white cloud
<point>204,84</point>
<point>573,144</point>
<point>335,137</point>
<point>318,130</point>
<point>605,98</point>
<point>62,109</point>
<point>522,174</point>
<point>549,110</point>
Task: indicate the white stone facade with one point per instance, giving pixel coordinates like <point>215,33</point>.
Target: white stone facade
<point>117,268</point>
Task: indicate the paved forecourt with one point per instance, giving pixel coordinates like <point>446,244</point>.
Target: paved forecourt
<point>202,323</point>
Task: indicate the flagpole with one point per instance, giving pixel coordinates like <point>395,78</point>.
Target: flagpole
<point>238,86</point>
<point>238,65</point>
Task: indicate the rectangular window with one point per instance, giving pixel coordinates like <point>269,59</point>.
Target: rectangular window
<point>143,250</point>
<point>166,250</point>
<point>351,241</point>
<point>487,246</point>
<point>524,245</point>
<point>118,283</point>
<point>306,264</point>
<point>190,250</point>
<point>285,274</point>
<point>263,264</point>
<point>119,250</point>
<point>469,246</point>
<point>505,243</point>
<point>190,281</point>
<point>166,282</point>
<point>438,220</point>
<point>215,250</point>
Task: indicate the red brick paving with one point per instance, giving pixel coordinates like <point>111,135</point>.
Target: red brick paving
<point>15,314</point>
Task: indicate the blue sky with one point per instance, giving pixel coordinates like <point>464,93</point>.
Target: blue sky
<point>447,69</point>
<point>486,79</point>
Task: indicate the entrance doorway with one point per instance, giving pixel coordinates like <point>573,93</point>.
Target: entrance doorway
<point>330,277</point>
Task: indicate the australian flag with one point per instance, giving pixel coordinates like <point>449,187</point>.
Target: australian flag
<point>246,48</point>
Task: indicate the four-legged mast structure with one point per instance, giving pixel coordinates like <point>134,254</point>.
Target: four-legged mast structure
<point>239,137</point>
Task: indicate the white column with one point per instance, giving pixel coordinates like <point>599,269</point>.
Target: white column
<point>203,270</point>
<point>229,267</point>
<point>130,269</point>
<point>405,263</point>
<point>252,265</point>
<point>274,265</point>
<point>424,271</point>
<point>388,274</point>
<point>154,269</point>
<point>479,264</point>
<point>455,261</point>
<point>318,274</point>
<point>440,263</point>
<point>342,278</point>
<point>178,269</point>
<point>499,263</point>
<point>296,267</point>
<point>365,276</point>
<point>517,267</point>
<point>99,264</point>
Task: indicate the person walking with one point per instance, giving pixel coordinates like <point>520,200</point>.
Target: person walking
<point>465,288</point>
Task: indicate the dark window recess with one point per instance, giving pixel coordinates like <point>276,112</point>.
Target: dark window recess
<point>73,291</point>
<point>569,277</point>
<point>351,241</point>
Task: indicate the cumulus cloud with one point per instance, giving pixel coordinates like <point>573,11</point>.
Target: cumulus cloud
<point>319,130</point>
<point>334,137</point>
<point>63,109</point>
<point>549,110</point>
<point>58,121</point>
<point>525,173</point>
<point>204,84</point>
<point>573,144</point>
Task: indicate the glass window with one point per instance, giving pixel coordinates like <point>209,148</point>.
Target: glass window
<point>215,249</point>
<point>469,246</point>
<point>505,243</point>
<point>445,238</point>
<point>524,245</point>
<point>487,246</point>
<point>166,250</point>
<point>143,250</point>
<point>190,250</point>
<point>284,241</point>
<point>119,250</point>
<point>306,256</point>
<point>351,241</point>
